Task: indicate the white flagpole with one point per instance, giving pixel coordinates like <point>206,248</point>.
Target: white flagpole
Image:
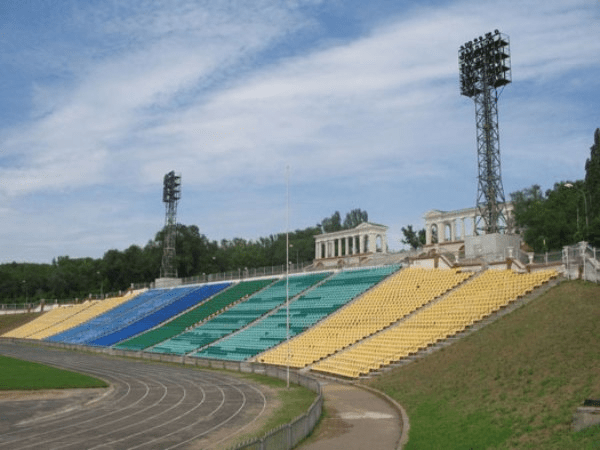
<point>287,271</point>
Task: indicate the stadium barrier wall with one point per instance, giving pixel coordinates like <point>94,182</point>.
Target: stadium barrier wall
<point>285,437</point>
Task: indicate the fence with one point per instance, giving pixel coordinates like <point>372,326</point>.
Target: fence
<point>289,435</point>
<point>48,304</point>
<point>241,274</point>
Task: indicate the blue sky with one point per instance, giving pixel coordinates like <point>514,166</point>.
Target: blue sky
<point>99,99</point>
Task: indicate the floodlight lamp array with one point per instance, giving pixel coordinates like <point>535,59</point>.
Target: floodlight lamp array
<point>484,63</point>
<point>171,188</point>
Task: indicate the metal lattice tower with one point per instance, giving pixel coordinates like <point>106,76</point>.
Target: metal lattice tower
<point>484,65</point>
<point>171,195</point>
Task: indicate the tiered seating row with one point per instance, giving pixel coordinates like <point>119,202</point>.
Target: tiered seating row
<point>196,315</point>
<point>147,321</point>
<point>97,308</point>
<point>119,317</point>
<point>238,316</point>
<point>48,320</point>
<point>462,307</point>
<point>304,313</point>
<point>377,309</point>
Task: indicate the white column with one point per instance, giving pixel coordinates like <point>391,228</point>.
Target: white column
<point>317,248</point>
<point>453,230</point>
<point>361,244</point>
<point>428,234</point>
<point>463,229</point>
<point>347,252</point>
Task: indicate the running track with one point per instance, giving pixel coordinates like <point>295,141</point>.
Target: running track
<point>149,406</point>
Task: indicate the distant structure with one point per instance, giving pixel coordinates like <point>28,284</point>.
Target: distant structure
<point>171,196</point>
<point>448,231</point>
<point>484,65</point>
<point>350,247</point>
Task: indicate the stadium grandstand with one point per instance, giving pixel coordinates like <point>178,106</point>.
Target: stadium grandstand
<point>240,315</point>
<point>467,304</point>
<point>384,305</point>
<point>304,312</point>
<point>196,315</point>
<point>342,322</point>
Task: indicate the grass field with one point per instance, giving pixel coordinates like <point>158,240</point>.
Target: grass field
<point>24,375</point>
<point>513,384</point>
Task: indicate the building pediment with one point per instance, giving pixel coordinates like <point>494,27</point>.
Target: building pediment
<point>433,213</point>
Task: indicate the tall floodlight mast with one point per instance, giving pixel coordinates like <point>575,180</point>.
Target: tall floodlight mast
<point>484,65</point>
<point>171,195</point>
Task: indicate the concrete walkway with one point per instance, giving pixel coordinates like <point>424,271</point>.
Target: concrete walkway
<point>356,419</point>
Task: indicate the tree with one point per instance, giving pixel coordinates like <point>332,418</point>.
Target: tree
<point>592,174</point>
<point>355,218</point>
<point>415,239</point>
<point>552,220</point>
<point>331,224</point>
<point>334,223</point>
<point>592,190</point>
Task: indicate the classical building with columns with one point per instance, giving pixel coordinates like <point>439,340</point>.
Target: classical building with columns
<point>348,246</point>
<point>445,231</point>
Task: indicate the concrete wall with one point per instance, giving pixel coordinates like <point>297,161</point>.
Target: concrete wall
<point>492,247</point>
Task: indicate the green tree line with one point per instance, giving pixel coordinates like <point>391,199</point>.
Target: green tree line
<point>68,278</point>
<point>566,214</point>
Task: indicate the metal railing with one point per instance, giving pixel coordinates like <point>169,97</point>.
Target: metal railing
<point>47,304</point>
<point>243,273</point>
<point>581,262</point>
<point>287,436</point>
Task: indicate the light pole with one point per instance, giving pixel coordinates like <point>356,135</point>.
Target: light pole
<point>587,224</point>
<point>101,285</point>
<point>297,262</point>
<point>287,272</point>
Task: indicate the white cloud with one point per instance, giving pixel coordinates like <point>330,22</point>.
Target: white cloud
<point>194,89</point>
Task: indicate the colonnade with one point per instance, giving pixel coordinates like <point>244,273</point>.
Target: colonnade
<point>451,226</point>
<point>365,238</point>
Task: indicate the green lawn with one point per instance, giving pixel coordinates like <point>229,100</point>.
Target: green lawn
<point>513,384</point>
<point>24,375</point>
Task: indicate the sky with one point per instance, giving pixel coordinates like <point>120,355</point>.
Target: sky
<point>99,99</point>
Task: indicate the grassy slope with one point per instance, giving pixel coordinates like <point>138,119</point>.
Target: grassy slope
<point>24,375</point>
<point>9,322</point>
<point>513,384</point>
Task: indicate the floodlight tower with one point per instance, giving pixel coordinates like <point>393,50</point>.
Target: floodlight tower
<point>171,195</point>
<point>484,65</point>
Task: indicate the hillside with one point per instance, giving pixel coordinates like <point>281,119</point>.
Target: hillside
<point>514,384</point>
<point>9,322</point>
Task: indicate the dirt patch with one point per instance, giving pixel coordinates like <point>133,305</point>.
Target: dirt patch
<point>331,426</point>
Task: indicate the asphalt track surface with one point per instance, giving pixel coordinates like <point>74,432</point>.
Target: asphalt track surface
<point>148,406</point>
